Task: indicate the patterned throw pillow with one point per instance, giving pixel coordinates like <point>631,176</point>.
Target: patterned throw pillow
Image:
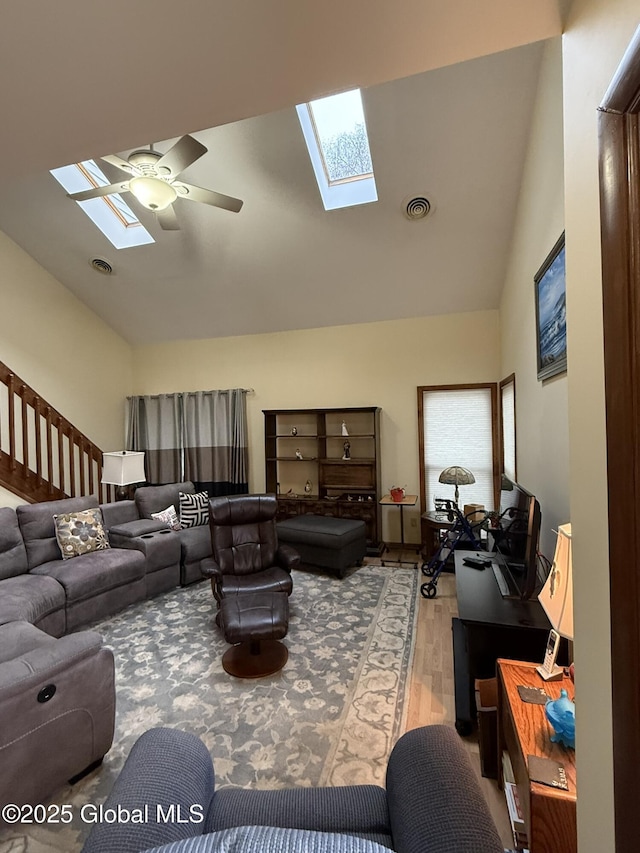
<point>169,516</point>
<point>194,509</point>
<point>80,533</point>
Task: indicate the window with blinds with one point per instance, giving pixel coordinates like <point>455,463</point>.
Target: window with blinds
<point>508,423</point>
<point>458,426</point>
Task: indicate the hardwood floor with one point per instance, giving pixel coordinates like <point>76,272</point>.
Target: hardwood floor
<point>431,688</point>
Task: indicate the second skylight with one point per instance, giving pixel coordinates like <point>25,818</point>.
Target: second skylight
<point>335,131</point>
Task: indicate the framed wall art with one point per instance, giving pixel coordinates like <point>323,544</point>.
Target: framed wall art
<point>551,313</point>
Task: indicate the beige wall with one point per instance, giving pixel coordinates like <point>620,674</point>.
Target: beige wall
<point>62,349</point>
<point>597,34</point>
<point>541,409</point>
<point>373,364</point>
<point>9,499</point>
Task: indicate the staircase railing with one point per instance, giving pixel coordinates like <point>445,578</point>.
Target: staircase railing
<point>42,455</point>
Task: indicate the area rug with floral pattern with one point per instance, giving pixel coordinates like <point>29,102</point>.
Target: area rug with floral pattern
<point>329,717</point>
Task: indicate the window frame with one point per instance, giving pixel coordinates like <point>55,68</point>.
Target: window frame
<point>508,380</point>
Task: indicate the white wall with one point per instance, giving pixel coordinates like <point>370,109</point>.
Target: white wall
<point>53,342</point>
<point>541,408</point>
<point>373,364</point>
<point>597,34</point>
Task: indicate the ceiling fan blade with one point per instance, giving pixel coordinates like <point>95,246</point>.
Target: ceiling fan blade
<point>185,152</point>
<point>167,219</point>
<point>226,202</point>
<point>119,162</point>
<point>98,192</point>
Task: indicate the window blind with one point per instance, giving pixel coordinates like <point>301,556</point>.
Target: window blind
<point>458,431</point>
<point>508,406</point>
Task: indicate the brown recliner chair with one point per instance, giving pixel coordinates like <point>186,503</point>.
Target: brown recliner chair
<point>246,554</point>
<point>251,580</point>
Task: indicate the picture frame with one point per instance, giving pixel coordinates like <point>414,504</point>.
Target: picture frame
<point>551,313</point>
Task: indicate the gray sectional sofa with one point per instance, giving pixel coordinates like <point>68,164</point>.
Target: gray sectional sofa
<point>59,596</point>
<point>57,693</point>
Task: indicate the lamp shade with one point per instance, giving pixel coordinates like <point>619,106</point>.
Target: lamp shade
<point>556,596</point>
<point>456,476</point>
<point>153,193</point>
<point>123,467</point>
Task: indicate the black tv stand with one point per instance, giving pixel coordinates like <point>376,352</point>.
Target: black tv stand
<point>489,627</point>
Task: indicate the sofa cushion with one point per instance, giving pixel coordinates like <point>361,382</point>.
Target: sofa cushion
<point>195,543</point>
<point>13,555</point>
<point>194,509</point>
<point>19,638</point>
<point>271,839</point>
<point>89,575</point>
<point>354,809</point>
<point>80,533</point>
<point>29,598</point>
<point>38,528</point>
<point>169,517</point>
<point>119,512</point>
<point>141,527</point>
<point>156,498</point>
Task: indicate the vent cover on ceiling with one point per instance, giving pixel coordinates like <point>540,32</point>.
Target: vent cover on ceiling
<point>101,265</point>
<point>416,207</point>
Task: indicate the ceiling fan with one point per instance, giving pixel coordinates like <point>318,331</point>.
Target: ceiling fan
<point>153,181</point>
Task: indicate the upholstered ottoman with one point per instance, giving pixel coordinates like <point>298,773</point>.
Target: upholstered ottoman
<point>331,543</point>
<point>254,622</point>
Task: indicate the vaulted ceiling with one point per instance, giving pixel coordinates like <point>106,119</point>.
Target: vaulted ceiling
<point>448,96</point>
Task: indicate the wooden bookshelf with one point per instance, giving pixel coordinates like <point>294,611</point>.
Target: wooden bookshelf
<point>346,488</point>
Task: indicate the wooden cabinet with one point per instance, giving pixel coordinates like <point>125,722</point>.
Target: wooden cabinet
<point>549,813</point>
<point>306,448</point>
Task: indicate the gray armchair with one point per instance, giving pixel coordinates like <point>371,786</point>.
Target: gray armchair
<point>432,803</point>
<point>57,709</point>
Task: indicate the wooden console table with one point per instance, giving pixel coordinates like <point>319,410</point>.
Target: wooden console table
<point>523,730</point>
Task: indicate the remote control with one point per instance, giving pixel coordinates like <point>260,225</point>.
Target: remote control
<point>477,562</point>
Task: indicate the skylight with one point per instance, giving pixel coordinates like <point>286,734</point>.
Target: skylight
<point>335,131</point>
<point>113,217</point>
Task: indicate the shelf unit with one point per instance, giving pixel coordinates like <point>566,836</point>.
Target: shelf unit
<point>347,488</point>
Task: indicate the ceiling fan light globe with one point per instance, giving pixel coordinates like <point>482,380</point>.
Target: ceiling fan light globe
<point>153,193</point>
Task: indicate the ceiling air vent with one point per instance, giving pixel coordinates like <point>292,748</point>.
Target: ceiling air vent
<point>101,265</point>
<point>416,207</point>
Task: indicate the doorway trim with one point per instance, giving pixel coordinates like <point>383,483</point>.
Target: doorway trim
<point>619,161</point>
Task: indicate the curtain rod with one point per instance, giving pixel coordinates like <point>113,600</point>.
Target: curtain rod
<point>175,393</point>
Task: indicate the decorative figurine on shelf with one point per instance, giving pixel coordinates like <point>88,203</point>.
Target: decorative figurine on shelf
<point>298,453</point>
<point>345,431</point>
<point>308,486</point>
<point>294,430</point>
<point>561,713</point>
<point>347,450</point>
<point>291,494</point>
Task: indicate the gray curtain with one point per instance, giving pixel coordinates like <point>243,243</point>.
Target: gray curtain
<point>199,436</point>
<point>155,425</point>
<point>215,441</point>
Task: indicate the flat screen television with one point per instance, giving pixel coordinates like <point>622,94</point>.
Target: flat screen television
<point>516,542</point>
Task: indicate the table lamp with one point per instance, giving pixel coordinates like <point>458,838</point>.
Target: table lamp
<point>456,476</point>
<point>556,598</point>
<point>123,468</point>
